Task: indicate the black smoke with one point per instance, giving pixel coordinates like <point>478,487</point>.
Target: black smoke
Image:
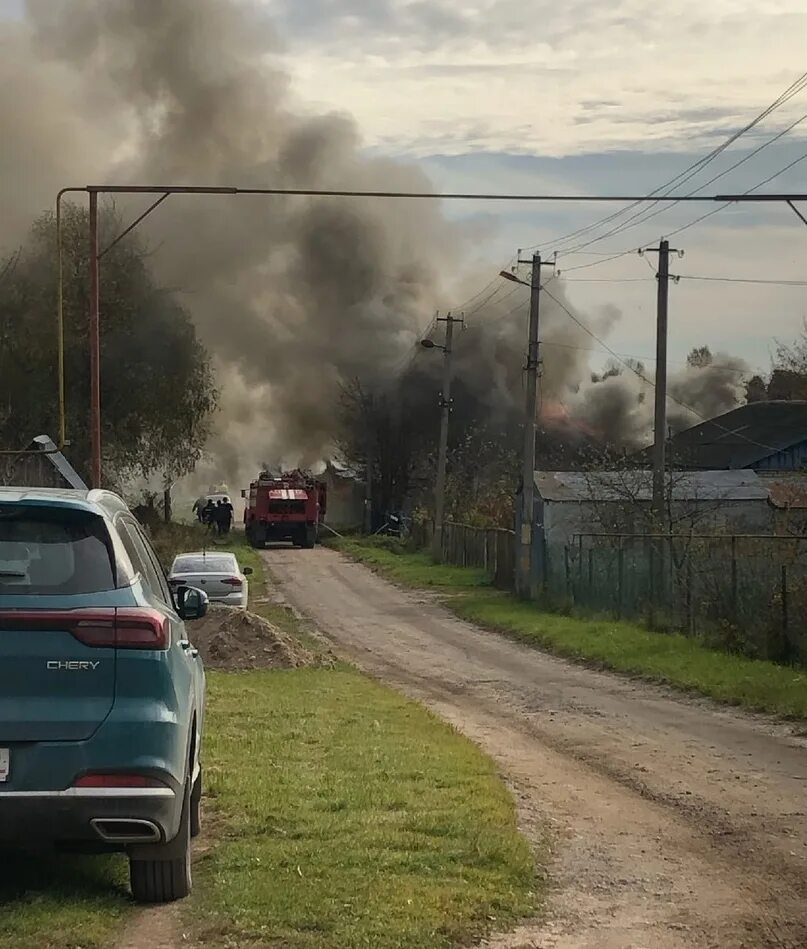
<point>292,295</point>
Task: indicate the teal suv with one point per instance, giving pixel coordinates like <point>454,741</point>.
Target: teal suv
<point>101,690</point>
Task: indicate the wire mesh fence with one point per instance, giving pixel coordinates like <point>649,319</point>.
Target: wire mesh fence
<point>743,592</point>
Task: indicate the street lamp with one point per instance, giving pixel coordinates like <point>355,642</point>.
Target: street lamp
<point>511,276</point>
<point>430,344</point>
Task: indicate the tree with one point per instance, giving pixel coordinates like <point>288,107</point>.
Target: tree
<point>378,433</point>
<point>788,378</point>
<point>700,357</point>
<point>157,387</point>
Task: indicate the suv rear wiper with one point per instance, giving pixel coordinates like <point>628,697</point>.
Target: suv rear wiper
<point>13,573</point>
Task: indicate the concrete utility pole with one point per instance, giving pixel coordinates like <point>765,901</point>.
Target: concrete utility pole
<point>660,422</point>
<point>445,412</point>
<point>524,560</point>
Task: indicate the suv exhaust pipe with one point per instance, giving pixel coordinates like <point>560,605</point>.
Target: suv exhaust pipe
<point>120,830</point>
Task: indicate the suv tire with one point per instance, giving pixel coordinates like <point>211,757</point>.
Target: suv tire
<point>161,873</point>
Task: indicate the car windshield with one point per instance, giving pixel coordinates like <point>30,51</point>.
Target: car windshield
<point>53,550</point>
<point>212,564</point>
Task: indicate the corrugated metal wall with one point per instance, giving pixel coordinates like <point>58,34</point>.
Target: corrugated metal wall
<point>790,459</point>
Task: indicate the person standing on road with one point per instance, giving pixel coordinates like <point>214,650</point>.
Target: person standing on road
<point>209,514</point>
<point>227,512</point>
<point>199,509</point>
<point>218,515</point>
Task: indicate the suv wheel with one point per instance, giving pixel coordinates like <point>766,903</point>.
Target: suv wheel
<point>161,873</point>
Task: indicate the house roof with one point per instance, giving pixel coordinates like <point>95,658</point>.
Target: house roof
<point>741,438</point>
<point>637,485</point>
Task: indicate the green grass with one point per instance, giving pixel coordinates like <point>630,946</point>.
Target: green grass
<point>59,902</point>
<point>339,815</point>
<point>348,816</point>
<point>625,647</point>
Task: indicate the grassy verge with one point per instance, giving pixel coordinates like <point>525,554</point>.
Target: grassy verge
<point>347,817</point>
<point>59,902</point>
<point>625,647</point>
<point>344,815</point>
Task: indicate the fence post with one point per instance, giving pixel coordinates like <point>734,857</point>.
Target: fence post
<point>652,580</point>
<point>784,609</point>
<point>620,574</point>
<point>689,596</point>
<point>580,557</point>
<point>734,583</point>
<point>568,572</point>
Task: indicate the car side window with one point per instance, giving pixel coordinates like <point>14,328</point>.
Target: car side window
<point>155,562</point>
<point>136,549</point>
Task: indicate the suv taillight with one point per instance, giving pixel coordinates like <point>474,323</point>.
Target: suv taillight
<point>141,628</point>
<point>117,781</point>
<point>122,627</point>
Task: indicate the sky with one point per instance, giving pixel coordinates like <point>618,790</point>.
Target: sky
<point>585,97</point>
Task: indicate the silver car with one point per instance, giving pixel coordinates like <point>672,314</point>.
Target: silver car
<point>217,573</point>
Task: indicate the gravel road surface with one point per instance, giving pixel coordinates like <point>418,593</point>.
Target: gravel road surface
<point>672,822</point>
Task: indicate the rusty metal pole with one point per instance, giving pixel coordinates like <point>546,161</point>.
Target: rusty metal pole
<point>60,323</point>
<point>94,339</point>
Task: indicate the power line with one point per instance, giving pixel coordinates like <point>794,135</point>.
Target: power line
<point>684,227</point>
<point>792,90</point>
<point>775,283</point>
<point>488,298</point>
<point>708,214</point>
<point>647,214</point>
<point>609,279</point>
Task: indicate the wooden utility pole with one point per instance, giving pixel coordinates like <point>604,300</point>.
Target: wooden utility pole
<point>660,420</point>
<point>368,475</point>
<point>524,559</point>
<point>442,454</point>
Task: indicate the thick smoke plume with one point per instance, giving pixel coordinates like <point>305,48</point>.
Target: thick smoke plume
<point>292,295</point>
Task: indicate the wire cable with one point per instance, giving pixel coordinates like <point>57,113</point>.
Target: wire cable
<point>795,87</point>
<point>647,214</point>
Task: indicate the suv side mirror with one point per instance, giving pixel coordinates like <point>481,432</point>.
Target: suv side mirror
<point>247,571</point>
<point>191,603</point>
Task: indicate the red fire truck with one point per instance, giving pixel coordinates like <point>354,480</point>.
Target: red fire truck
<point>288,506</point>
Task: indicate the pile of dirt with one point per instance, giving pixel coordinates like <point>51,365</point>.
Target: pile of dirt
<point>237,639</point>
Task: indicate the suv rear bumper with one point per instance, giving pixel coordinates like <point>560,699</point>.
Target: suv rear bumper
<point>72,815</point>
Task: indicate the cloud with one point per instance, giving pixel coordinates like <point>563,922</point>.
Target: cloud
<point>515,77</point>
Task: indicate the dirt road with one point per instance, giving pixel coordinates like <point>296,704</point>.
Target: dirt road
<point>672,823</point>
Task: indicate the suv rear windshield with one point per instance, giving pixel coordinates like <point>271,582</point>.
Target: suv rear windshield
<point>53,550</point>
